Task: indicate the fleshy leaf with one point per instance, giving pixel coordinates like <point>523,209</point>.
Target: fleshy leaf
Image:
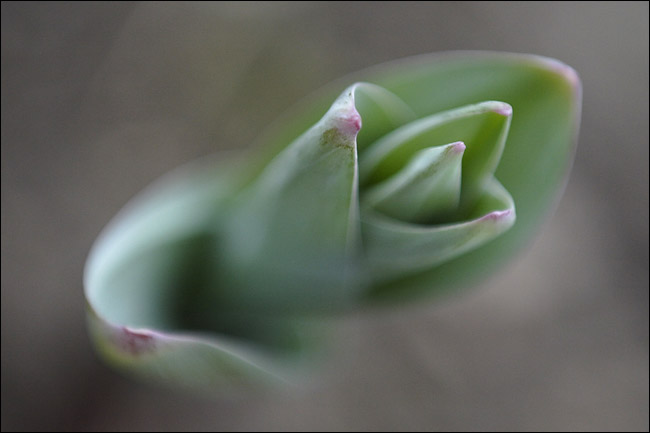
<point>482,127</point>
<point>545,96</point>
<point>212,275</point>
<point>207,362</point>
<point>289,242</point>
<point>150,236</point>
<point>428,187</point>
<point>141,277</point>
<point>394,247</point>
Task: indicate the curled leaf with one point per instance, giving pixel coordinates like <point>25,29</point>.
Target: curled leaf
<point>427,187</point>
<point>395,247</point>
<point>219,274</point>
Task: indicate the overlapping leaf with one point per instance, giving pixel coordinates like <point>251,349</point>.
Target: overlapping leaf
<point>214,275</point>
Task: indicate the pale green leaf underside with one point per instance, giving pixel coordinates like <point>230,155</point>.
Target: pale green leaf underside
<point>146,281</point>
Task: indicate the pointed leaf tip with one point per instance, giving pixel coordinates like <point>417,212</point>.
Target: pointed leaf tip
<point>503,216</point>
<point>503,109</point>
<point>457,147</point>
<point>291,240</point>
<point>343,116</point>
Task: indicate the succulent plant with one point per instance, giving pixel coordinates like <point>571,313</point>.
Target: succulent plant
<point>220,273</point>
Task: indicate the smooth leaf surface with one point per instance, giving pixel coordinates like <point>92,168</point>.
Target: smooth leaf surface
<point>164,280</point>
<point>193,361</point>
<point>394,247</point>
<point>545,96</point>
<point>382,111</point>
<point>293,234</point>
<point>429,186</point>
<point>482,128</point>
<point>146,283</point>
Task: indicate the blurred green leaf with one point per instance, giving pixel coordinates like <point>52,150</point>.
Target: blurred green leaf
<point>292,234</point>
<point>219,273</point>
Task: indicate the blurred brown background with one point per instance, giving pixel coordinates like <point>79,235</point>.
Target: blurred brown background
<point>99,99</point>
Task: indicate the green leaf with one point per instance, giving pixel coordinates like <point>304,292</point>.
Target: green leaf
<point>394,247</point>
<point>382,112</point>
<point>427,188</point>
<point>290,241</point>
<point>212,276</point>
<point>482,127</point>
<point>148,283</point>
<point>195,361</point>
<point>545,96</point>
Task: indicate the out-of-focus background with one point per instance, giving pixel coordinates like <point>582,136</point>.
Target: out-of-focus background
<point>99,99</point>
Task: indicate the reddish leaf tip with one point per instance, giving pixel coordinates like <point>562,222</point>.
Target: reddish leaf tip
<point>496,216</point>
<point>350,122</point>
<point>134,342</point>
<point>457,148</point>
<point>343,115</point>
<point>503,109</point>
